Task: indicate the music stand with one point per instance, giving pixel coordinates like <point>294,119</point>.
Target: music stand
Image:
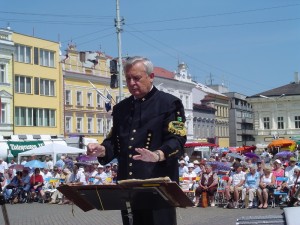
<point>139,195</point>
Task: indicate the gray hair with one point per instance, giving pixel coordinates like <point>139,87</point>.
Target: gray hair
<point>130,61</point>
<point>253,166</point>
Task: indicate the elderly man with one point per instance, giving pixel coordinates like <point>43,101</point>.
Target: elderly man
<point>251,184</point>
<point>147,138</point>
<point>208,183</point>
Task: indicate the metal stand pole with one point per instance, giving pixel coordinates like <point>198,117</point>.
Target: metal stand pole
<point>129,215</point>
<point>3,207</point>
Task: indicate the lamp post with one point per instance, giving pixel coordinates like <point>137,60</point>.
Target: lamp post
<point>275,119</point>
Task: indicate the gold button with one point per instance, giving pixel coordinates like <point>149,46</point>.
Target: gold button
<point>148,143</point>
<point>149,135</point>
<point>130,173</point>
<point>134,131</point>
<point>148,139</point>
<point>146,146</point>
<point>130,164</point>
<point>132,139</point>
<point>130,147</point>
<point>130,156</point>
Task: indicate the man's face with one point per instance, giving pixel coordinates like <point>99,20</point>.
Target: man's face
<point>138,81</point>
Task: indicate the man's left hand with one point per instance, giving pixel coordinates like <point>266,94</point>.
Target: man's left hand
<point>145,155</point>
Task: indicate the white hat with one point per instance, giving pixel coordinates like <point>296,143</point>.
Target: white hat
<point>191,165</point>
<point>278,161</point>
<point>182,161</point>
<point>100,166</point>
<point>196,162</point>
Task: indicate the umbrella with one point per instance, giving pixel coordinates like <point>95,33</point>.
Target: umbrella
<point>35,164</point>
<point>83,164</point>
<point>284,154</point>
<point>251,155</point>
<point>219,165</point>
<point>282,143</point>
<point>86,158</point>
<point>235,155</point>
<point>17,167</point>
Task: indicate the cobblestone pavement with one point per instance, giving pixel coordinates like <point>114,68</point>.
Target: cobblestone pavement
<point>47,214</point>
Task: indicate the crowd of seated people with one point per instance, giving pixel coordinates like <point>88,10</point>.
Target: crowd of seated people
<point>25,184</point>
<point>251,182</point>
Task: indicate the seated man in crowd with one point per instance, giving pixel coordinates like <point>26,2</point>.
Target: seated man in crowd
<point>208,183</point>
<point>251,184</point>
<point>235,184</point>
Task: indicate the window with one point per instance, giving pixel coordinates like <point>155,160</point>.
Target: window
<point>266,123</point>
<point>280,123</point>
<point>3,78</point>
<point>297,121</point>
<point>89,99</point>
<point>46,58</point>
<point>100,126</point>
<point>187,102</point>
<point>68,97</point>
<point>47,87</point>
<point>79,125</point>
<point>35,117</point>
<point>23,84</point>
<point>79,98</point>
<point>36,56</point>
<point>36,86</point>
<point>90,125</point>
<point>4,113</point>
<point>68,126</point>
<point>22,53</point>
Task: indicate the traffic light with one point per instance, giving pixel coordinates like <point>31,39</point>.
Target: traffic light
<point>114,81</point>
<point>113,66</point>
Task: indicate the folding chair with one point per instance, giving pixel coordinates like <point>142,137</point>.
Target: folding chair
<point>220,199</point>
<point>278,193</point>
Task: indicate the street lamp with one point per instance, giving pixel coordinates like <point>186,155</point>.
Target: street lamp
<point>276,113</point>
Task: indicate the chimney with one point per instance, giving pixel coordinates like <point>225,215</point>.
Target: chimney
<point>296,78</point>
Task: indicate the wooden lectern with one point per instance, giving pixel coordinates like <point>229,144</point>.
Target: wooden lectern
<point>128,195</point>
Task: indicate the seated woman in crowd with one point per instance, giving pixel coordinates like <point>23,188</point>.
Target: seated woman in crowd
<point>208,183</point>
<point>251,184</point>
<point>37,182</point>
<point>266,187</point>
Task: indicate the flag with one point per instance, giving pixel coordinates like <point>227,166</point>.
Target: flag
<point>108,104</point>
<point>99,92</point>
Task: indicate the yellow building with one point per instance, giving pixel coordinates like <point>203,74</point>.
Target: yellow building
<point>6,83</point>
<point>38,99</point>
<point>85,113</point>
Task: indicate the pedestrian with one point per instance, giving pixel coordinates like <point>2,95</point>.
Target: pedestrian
<point>147,138</point>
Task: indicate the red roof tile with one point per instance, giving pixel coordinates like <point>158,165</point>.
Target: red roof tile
<point>161,72</point>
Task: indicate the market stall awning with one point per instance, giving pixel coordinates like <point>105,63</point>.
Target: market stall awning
<point>16,147</point>
<point>243,149</point>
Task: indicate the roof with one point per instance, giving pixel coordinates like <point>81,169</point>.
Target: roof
<point>288,89</point>
<point>161,72</point>
<point>208,89</point>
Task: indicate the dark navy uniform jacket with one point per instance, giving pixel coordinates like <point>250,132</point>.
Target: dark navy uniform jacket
<point>153,122</point>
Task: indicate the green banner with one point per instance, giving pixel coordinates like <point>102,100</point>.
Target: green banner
<point>22,146</point>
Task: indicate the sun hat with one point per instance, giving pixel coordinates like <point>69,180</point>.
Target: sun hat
<point>293,159</point>
<point>196,162</point>
<point>191,165</point>
<point>277,161</point>
<point>182,161</point>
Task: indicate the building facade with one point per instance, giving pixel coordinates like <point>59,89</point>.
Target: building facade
<point>37,82</point>
<point>6,82</point>
<point>276,113</point>
<point>241,128</point>
<point>85,112</point>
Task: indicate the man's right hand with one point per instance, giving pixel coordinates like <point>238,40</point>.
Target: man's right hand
<point>95,149</point>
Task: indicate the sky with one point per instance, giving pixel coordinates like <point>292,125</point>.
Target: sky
<point>249,46</point>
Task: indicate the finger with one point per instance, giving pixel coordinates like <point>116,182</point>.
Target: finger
<point>137,157</point>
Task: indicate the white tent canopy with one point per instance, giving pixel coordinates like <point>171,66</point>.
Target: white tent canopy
<point>52,149</point>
